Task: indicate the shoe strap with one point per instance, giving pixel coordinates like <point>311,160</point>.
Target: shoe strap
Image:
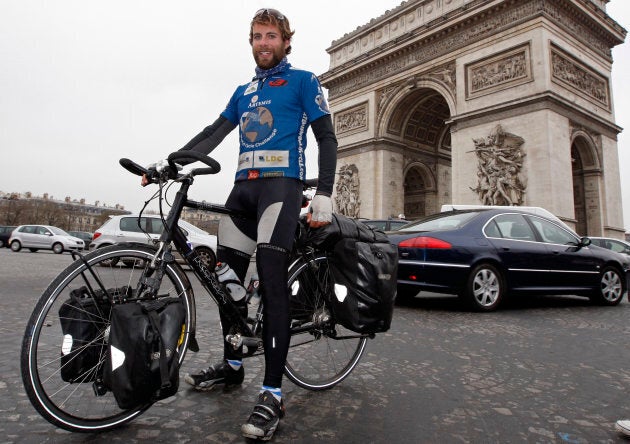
<point>267,414</point>
<point>270,410</point>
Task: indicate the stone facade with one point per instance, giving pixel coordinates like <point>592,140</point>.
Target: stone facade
<point>480,101</point>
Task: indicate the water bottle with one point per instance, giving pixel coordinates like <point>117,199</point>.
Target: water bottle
<point>230,280</point>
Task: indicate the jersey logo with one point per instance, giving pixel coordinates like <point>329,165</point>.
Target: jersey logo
<point>322,104</point>
<point>253,174</point>
<point>278,82</point>
<point>257,124</point>
<point>253,86</point>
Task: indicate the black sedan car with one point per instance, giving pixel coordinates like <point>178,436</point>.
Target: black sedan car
<point>385,224</point>
<point>484,254</point>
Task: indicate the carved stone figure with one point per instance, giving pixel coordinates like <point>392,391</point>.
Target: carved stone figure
<point>500,158</point>
<point>347,188</point>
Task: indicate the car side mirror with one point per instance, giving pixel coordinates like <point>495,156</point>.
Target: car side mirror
<point>585,241</point>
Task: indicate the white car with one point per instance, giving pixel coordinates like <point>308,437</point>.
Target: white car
<point>147,229</point>
<point>43,237</point>
<point>617,245</point>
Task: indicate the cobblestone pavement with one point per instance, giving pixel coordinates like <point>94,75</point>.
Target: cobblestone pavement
<point>544,370</point>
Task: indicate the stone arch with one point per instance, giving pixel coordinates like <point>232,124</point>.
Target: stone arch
<point>586,177</point>
<point>420,186</point>
<point>414,117</point>
<point>396,97</point>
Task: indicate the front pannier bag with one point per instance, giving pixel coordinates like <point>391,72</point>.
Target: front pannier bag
<point>83,318</point>
<point>364,265</point>
<point>143,364</point>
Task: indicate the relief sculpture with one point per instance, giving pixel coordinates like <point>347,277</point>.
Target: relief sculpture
<point>500,71</point>
<point>578,77</point>
<point>352,120</point>
<point>347,188</point>
<point>500,161</point>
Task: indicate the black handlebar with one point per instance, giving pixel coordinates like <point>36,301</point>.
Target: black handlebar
<point>133,167</point>
<point>213,166</point>
<point>310,183</point>
<point>191,156</point>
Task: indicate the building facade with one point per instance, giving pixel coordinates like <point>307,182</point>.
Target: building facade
<point>68,214</point>
<point>496,102</point>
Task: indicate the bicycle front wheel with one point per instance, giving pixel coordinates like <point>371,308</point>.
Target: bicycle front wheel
<point>72,399</point>
<point>322,353</point>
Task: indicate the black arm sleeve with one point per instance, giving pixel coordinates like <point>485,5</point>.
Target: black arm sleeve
<point>327,143</point>
<point>209,138</point>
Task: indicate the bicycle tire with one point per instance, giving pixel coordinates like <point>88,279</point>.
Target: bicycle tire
<point>321,353</point>
<point>75,406</point>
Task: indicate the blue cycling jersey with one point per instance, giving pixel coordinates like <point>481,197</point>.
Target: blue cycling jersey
<point>273,115</point>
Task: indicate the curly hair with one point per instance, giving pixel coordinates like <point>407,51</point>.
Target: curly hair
<point>272,17</point>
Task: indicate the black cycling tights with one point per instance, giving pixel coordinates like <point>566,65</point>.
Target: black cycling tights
<point>272,264</point>
<point>275,297</point>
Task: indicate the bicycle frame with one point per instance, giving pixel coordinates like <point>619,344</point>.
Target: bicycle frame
<point>207,278</point>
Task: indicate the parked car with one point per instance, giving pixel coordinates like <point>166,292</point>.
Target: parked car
<point>147,229</point>
<point>85,235</point>
<point>483,255</point>
<point>385,224</point>
<point>5,234</point>
<point>617,245</point>
<point>43,237</point>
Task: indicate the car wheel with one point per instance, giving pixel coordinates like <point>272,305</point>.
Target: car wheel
<point>611,287</point>
<point>137,263</point>
<point>485,288</point>
<point>57,248</point>
<point>16,246</point>
<point>111,262</point>
<point>208,258</point>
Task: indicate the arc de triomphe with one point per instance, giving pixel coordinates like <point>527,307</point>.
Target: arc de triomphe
<point>499,102</point>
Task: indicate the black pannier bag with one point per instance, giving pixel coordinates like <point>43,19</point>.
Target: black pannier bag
<point>83,318</point>
<point>143,361</point>
<point>364,265</point>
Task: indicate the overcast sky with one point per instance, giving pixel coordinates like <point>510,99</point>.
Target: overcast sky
<point>84,83</point>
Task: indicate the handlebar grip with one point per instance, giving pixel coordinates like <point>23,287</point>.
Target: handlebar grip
<point>202,171</point>
<point>132,167</point>
<point>310,183</point>
<point>195,156</point>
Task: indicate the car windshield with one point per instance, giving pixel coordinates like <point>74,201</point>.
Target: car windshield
<point>441,221</point>
<point>59,231</point>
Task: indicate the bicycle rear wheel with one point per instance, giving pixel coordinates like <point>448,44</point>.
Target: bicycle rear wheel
<point>322,353</point>
<point>82,404</point>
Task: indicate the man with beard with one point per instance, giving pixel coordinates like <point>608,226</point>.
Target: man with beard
<point>273,112</point>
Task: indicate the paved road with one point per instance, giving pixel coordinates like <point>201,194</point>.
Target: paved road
<point>546,370</point>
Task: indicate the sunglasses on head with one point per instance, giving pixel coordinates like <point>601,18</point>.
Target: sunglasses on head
<point>269,11</point>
